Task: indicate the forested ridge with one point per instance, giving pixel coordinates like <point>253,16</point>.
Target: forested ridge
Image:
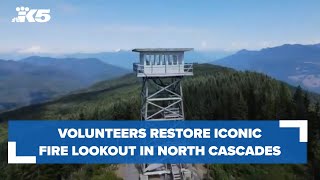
<point>213,93</point>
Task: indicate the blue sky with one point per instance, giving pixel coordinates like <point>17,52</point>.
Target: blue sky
<point>106,25</point>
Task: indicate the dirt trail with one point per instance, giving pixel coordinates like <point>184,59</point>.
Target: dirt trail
<point>128,172</point>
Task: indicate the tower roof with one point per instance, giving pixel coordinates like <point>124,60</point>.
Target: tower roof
<point>162,49</point>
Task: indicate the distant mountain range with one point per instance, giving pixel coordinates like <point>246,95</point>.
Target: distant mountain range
<point>37,79</point>
<point>123,58</point>
<point>296,64</point>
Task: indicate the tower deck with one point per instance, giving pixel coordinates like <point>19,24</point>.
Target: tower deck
<point>162,62</point>
<point>185,69</point>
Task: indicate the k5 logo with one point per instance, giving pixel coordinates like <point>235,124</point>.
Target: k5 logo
<point>26,14</point>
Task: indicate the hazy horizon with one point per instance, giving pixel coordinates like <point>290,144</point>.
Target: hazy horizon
<point>102,26</point>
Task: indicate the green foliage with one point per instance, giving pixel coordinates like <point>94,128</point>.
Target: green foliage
<point>213,93</point>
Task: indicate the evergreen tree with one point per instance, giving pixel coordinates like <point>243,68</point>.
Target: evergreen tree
<point>299,103</point>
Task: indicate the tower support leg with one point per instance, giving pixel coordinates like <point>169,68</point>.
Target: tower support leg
<point>162,99</point>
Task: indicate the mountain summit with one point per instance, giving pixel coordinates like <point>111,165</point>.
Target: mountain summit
<point>293,63</point>
<point>37,79</point>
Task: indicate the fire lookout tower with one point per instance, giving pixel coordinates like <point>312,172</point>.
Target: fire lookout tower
<point>162,70</point>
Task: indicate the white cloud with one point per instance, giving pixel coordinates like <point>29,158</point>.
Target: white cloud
<point>313,40</point>
<point>265,44</point>
<point>236,45</point>
<point>204,44</point>
<point>32,49</point>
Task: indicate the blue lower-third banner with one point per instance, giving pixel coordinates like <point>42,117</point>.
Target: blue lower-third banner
<point>101,142</point>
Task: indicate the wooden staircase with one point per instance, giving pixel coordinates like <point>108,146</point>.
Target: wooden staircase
<point>176,172</point>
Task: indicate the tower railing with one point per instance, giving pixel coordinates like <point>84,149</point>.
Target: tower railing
<point>163,70</point>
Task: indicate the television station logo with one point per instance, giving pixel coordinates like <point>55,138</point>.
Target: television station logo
<point>25,14</point>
